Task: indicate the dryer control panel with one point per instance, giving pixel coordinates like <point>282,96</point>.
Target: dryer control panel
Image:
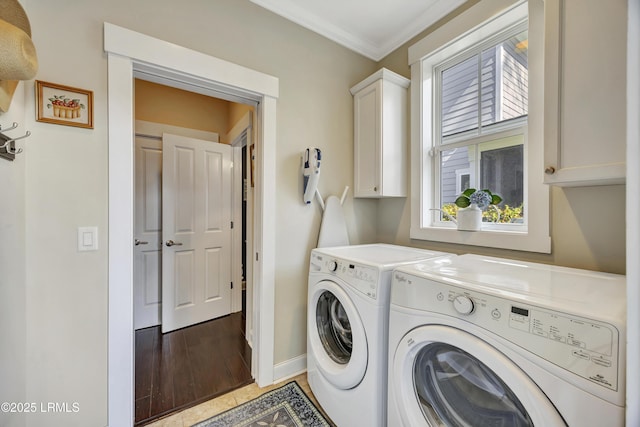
<point>360,277</point>
<point>586,347</point>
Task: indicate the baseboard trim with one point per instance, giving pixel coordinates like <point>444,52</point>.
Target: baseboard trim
<point>289,368</point>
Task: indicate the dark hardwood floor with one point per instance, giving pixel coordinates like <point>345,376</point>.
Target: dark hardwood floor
<point>185,367</point>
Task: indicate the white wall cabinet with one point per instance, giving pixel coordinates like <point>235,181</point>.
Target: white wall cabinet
<point>585,92</point>
<point>380,135</point>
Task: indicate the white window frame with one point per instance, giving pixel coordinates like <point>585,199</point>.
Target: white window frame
<point>479,23</point>
<point>459,174</point>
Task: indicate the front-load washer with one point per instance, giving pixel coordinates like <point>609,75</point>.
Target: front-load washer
<point>480,341</point>
<point>347,328</point>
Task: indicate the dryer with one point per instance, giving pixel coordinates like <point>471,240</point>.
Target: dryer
<point>477,341</point>
<point>347,328</point>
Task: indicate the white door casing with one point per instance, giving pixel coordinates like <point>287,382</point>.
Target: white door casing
<point>239,136</point>
<point>128,53</point>
<point>196,228</point>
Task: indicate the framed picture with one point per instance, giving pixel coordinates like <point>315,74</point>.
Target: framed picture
<point>64,105</point>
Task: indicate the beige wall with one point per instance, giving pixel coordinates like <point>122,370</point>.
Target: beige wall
<point>237,111</point>
<point>66,178</point>
<point>587,223</point>
<point>163,104</point>
<point>55,298</point>
<point>13,292</point>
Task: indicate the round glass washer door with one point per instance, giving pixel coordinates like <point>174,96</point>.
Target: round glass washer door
<point>336,335</point>
<point>443,376</point>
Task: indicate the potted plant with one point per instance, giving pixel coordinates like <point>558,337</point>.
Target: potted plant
<point>471,203</point>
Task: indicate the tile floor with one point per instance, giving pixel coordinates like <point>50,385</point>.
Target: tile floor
<point>208,409</point>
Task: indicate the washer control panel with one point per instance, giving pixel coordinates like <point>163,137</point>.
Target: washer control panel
<point>586,347</point>
<point>361,277</point>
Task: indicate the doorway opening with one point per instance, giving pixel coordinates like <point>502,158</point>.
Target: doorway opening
<point>206,354</point>
<point>128,53</point>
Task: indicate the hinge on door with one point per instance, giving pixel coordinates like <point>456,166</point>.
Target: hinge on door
<point>232,225</point>
<point>231,285</point>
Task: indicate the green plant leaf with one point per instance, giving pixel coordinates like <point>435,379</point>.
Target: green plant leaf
<point>468,192</point>
<point>495,199</point>
<point>462,201</point>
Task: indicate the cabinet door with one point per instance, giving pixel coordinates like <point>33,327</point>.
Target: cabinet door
<point>367,133</point>
<point>585,92</point>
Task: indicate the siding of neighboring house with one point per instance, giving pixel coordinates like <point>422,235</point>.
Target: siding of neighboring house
<point>502,95</point>
<point>515,82</point>
<point>452,161</point>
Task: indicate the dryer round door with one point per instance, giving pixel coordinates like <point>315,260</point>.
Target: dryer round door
<point>336,335</point>
<point>445,376</point>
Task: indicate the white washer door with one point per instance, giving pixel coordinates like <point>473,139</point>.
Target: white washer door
<point>337,336</point>
<point>445,376</point>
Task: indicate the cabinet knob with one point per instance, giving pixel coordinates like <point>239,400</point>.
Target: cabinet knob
<point>550,170</point>
<point>375,189</point>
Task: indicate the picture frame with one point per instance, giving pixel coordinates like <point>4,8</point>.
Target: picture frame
<point>64,105</point>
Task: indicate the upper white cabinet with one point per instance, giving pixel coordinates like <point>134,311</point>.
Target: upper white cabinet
<point>380,132</point>
<point>585,92</point>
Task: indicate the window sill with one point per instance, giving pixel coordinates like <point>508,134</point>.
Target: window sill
<point>513,240</point>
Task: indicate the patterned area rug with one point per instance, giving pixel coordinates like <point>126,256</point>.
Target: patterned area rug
<point>286,406</point>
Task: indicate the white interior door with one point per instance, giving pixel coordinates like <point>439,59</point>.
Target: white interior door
<point>147,250</point>
<point>196,228</point>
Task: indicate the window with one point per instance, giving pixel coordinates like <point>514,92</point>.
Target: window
<point>476,128</point>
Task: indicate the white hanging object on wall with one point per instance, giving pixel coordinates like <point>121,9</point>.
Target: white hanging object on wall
<point>310,173</point>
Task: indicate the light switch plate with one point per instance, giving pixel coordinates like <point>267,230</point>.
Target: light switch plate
<point>87,238</point>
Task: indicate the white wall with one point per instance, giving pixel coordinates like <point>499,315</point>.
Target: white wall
<point>65,179</point>
<point>12,266</point>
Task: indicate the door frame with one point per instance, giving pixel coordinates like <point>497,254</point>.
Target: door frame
<point>241,134</point>
<point>130,53</point>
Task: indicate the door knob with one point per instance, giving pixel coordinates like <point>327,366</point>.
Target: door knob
<point>140,242</point>
<point>172,243</point>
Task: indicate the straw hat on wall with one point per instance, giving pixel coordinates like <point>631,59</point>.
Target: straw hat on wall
<point>19,60</point>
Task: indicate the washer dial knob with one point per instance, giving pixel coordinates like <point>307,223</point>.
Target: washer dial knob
<point>333,265</point>
<point>463,304</point>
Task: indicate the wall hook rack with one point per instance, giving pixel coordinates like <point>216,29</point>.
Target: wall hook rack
<point>8,148</point>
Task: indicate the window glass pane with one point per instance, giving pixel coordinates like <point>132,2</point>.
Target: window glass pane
<point>455,167</point>
<point>459,97</point>
<point>502,172</point>
<point>505,80</point>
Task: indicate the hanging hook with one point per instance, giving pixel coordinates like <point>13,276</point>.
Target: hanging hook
<point>15,125</point>
<point>26,135</point>
<point>9,144</point>
<point>11,149</point>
